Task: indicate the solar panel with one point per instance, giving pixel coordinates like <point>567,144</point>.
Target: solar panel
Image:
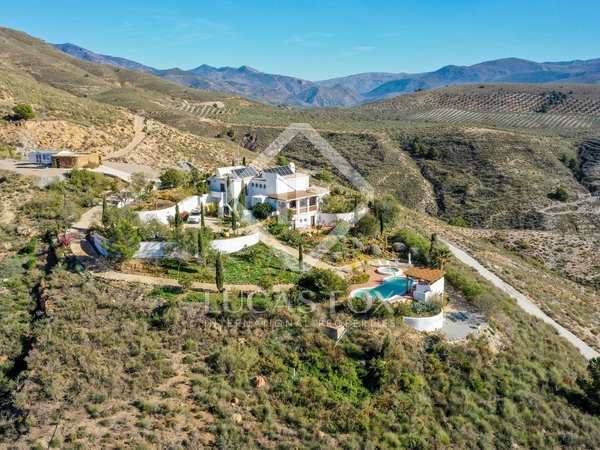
<point>245,172</point>
<point>280,170</point>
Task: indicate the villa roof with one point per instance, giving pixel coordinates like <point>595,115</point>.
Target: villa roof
<point>295,195</point>
<point>429,275</point>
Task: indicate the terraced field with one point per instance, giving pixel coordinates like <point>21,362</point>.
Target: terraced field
<point>517,106</point>
<point>516,120</point>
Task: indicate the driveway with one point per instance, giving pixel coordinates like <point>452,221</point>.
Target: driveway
<point>524,302</point>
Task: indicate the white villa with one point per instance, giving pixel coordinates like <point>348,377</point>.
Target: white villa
<point>280,186</point>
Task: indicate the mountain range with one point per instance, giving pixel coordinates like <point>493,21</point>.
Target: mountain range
<point>354,89</point>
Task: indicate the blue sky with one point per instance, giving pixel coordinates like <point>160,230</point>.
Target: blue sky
<point>317,39</point>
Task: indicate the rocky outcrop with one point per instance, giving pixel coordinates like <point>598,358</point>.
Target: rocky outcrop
<point>589,155</point>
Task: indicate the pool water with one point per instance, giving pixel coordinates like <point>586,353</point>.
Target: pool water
<point>386,290</point>
<point>389,270</point>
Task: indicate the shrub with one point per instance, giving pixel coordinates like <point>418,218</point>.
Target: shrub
<point>172,178</point>
<point>366,226</point>
<point>357,244</point>
<point>458,222</point>
<point>591,386</point>
<point>322,284</point>
<point>387,209</point>
<point>399,247</point>
<point>262,210</point>
<point>559,194</point>
<point>23,111</point>
<point>428,308</point>
<point>124,239</point>
<point>374,250</point>
<point>417,244</point>
<point>324,175</point>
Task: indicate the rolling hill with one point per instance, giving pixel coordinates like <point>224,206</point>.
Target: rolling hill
<point>484,126</point>
<point>354,89</point>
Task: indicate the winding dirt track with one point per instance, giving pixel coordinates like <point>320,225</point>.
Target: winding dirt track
<point>138,136</point>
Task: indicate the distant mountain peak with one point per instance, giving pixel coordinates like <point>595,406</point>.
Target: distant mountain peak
<point>247,69</point>
<point>355,89</point>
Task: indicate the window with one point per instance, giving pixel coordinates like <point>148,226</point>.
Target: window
<point>222,187</point>
<point>313,201</point>
<point>293,204</point>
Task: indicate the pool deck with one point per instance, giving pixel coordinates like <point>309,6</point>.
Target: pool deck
<point>375,279</point>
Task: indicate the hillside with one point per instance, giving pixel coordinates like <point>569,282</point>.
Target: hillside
<point>354,89</point>
<point>64,93</point>
<point>469,178</point>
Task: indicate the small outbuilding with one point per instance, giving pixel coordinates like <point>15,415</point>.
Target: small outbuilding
<point>67,159</point>
<point>41,157</point>
<point>428,283</point>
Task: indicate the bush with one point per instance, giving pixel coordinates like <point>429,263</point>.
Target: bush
<point>262,210</point>
<point>374,250</point>
<point>458,222</point>
<point>23,111</point>
<point>468,286</point>
<point>559,194</point>
<point>357,244</point>
<point>388,208</point>
<point>366,226</point>
<point>417,244</point>
<point>399,248</point>
<point>591,386</point>
<point>324,175</point>
<point>322,284</point>
<point>173,178</point>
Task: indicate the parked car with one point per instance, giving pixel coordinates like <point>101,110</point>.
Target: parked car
<point>194,216</point>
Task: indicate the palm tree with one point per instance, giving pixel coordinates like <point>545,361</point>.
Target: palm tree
<point>440,257</point>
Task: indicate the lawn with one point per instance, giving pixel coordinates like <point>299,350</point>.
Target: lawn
<point>254,265</point>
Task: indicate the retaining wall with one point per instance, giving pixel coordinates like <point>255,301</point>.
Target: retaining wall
<point>432,323</point>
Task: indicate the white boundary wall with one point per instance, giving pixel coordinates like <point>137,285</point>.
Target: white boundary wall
<point>432,323</point>
<point>159,250</point>
<point>162,215</point>
<point>236,244</point>
<point>351,217</point>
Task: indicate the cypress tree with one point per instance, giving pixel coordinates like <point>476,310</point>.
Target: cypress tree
<point>242,199</point>
<point>200,243</point>
<point>301,256</point>
<point>202,224</point>
<point>219,272</point>
<point>432,244</point>
<point>177,215</point>
<point>233,220</point>
<point>104,211</point>
<point>177,222</point>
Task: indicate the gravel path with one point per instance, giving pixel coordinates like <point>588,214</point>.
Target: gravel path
<point>525,303</point>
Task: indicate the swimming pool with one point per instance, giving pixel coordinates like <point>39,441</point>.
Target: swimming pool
<point>389,288</point>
